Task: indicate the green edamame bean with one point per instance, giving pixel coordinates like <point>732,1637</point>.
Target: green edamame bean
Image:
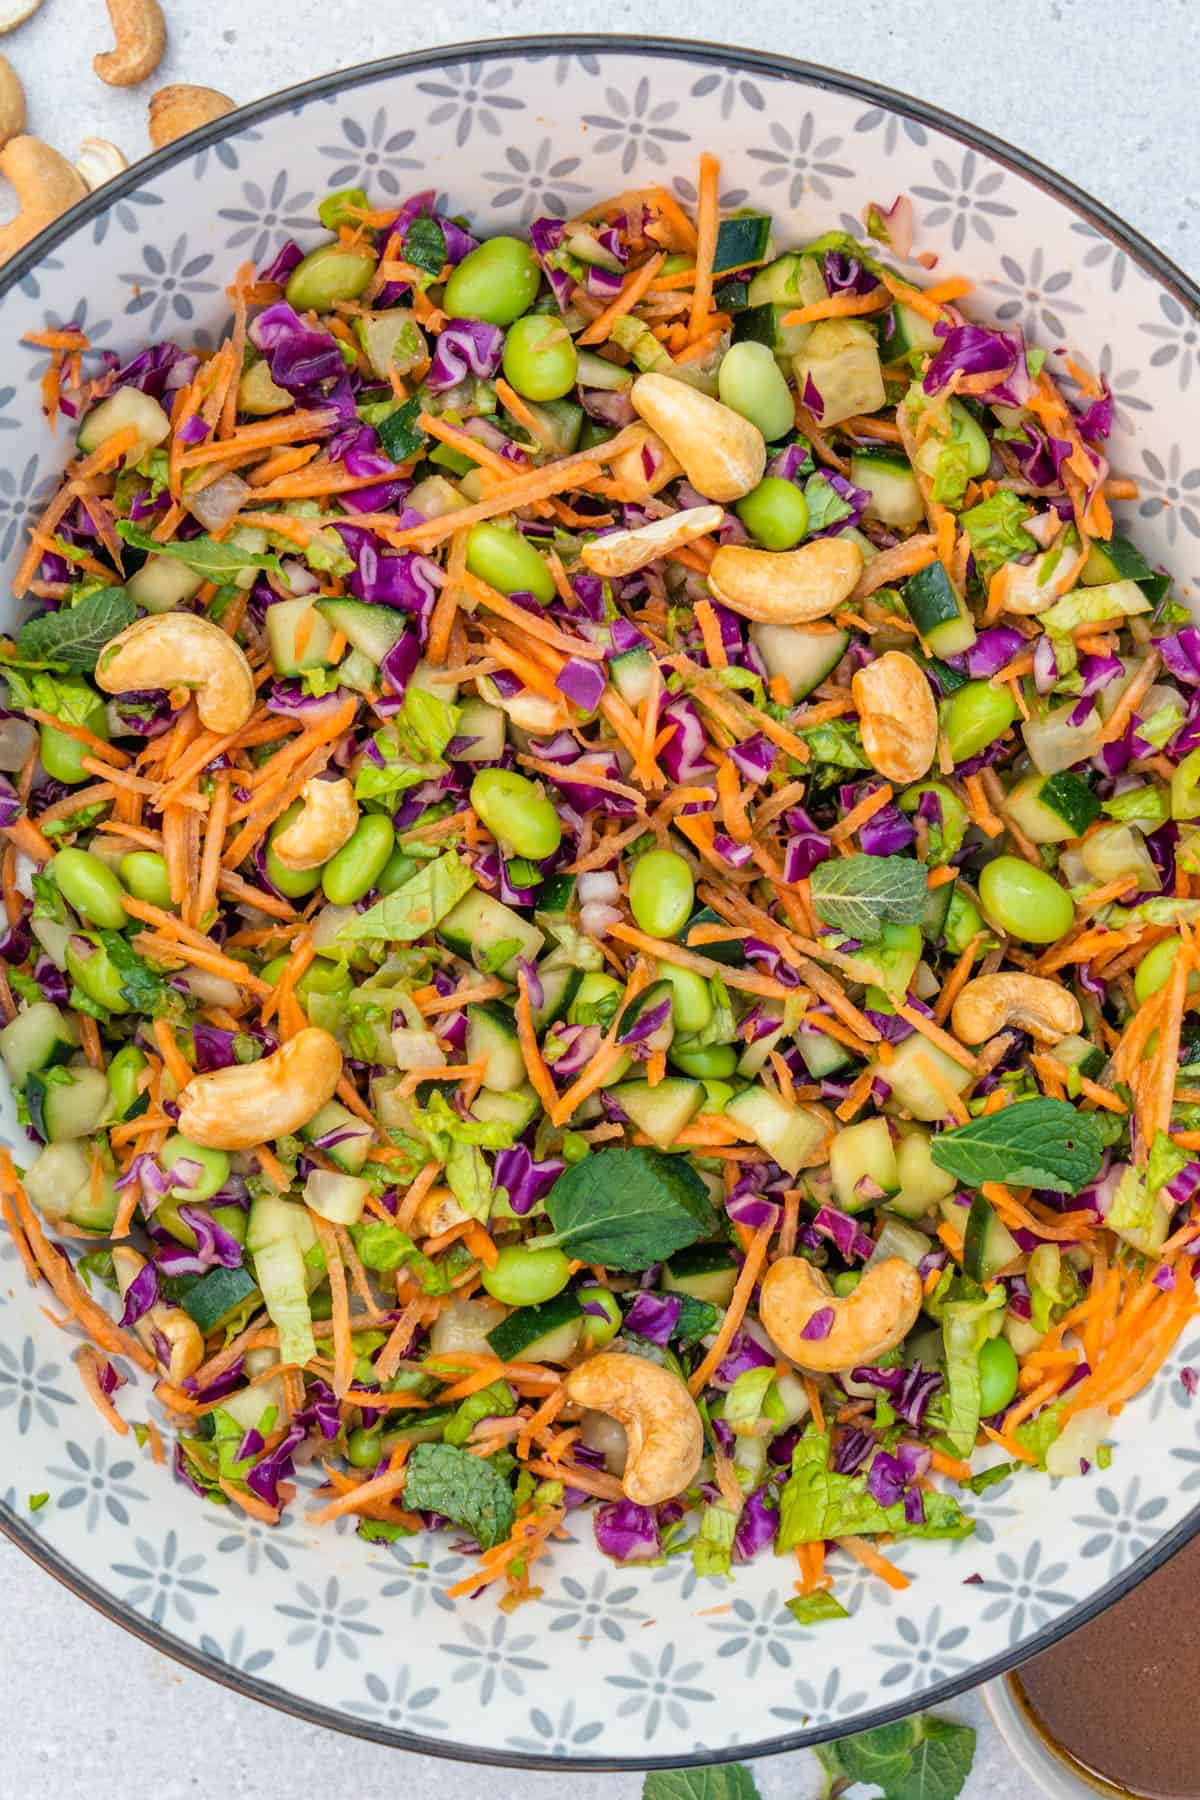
<point>775,513</point>
<point>91,888</point>
<point>123,1072</point>
<point>998,1375</point>
<point>598,1331</point>
<point>751,382</point>
<point>691,1001</point>
<point>356,867</point>
<point>844,1284</point>
<point>539,357</point>
<point>517,813</point>
<point>1154,970</point>
<point>399,868</point>
<point>144,873</point>
<point>364,1448</point>
<point>661,893</point>
<point>88,964</point>
<point>526,1277</point>
<point>974,716</point>
<point>706,1062</point>
<point>496,282</point>
<point>334,272</point>
<point>324,976</point>
<point>214,1167</point>
<point>507,561</point>
<point>964,921</point>
<point>1024,901</point>
<point>969,432</point>
<point>293,884</point>
<point>62,756</point>
<point>232,1219</point>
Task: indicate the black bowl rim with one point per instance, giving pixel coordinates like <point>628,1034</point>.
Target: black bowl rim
<point>769,63</point>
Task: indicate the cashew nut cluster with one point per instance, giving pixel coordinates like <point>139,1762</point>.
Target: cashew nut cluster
<point>178,649</point>
<point>176,110</point>
<point>327,818</point>
<point>255,1103</point>
<point>789,587</point>
<point>994,1003</point>
<point>866,1324</point>
<point>624,552</point>
<point>722,454</point>
<point>141,33</point>
<point>897,716</point>
<point>666,1437</point>
<point>45,184</point>
<point>162,1323</point>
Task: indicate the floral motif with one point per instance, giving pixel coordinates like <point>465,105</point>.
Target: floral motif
<point>473,95</point>
<point>764,1628</point>
<point>165,1581</point>
<point>123,213</point>
<point>1029,1592</point>
<point>801,159</point>
<point>728,199</point>
<point>95,1483</point>
<point>925,1652</point>
<point>588,1610</point>
<point>397,1706</point>
<point>963,199</point>
<point>255,1543</point>
<point>166,286</point>
<point>266,215</point>
<point>417,1575</point>
<point>1103,254</point>
<point>827,1702</point>
<point>893,126</point>
<point>97,331</point>
<point>328,1621</point>
<point>250,1662</point>
<point>21,497</point>
<point>30,1387</point>
<point>562,65</point>
<point>537,182</point>
<point>226,152</point>
<point>1035,295</point>
<point>561,1738</point>
<point>637,127</point>
<point>658,1688</point>
<point>1170,490</point>
<point>732,86</point>
<point>18,1506</point>
<point>1178,341</point>
<point>493,1659</point>
<point>370,155</point>
<point>1122,1528</point>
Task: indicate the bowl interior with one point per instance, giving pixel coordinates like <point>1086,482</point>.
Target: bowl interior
<point>609,1664</point>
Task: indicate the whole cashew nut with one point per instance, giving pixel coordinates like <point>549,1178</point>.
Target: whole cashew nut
<point>254,1103</point>
<point>897,716</point>
<point>629,467</point>
<point>666,1437</point>
<point>46,185</point>
<point>12,102</point>
<point>178,649</point>
<point>176,110</point>
<point>328,818</point>
<point>723,455</point>
<point>98,161</point>
<point>991,1003</point>
<point>868,1323</point>
<point>162,1323</point>
<point>623,552</point>
<point>141,33</point>
<point>789,587</point>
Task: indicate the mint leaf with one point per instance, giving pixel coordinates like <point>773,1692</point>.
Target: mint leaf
<point>379,1531</point>
<point>1039,1143</point>
<point>417,907</point>
<point>445,1479</point>
<point>216,562</point>
<point>629,1208</point>
<point>939,1766</point>
<point>861,894</point>
<point>74,637</point>
<point>876,1756</point>
<point>727,1781</point>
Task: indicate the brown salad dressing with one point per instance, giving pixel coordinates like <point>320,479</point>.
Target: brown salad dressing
<point>1118,1697</point>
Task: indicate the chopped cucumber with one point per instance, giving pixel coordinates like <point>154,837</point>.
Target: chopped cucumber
<point>742,241</point>
<point>560,984</point>
<point>822,1054</point>
<point>988,1244</point>
<point>1078,1054</point>
<point>592,371</point>
<point>792,1135</point>
<point>128,406</point>
<point>862,1163</point>
<point>910,332</point>
<point>480,928</point>
<point>372,629</point>
<point>485,724</point>
<point>518,1108</point>
<point>1114,560</point>
<point>1052,808</point>
<point>492,1041</point>
<point>938,611</point>
<point>37,1038</point>
<point>662,1111</point>
<point>162,583</point>
<point>803,655</point>
<point>217,1297</point>
<point>545,1333</point>
<point>705,1271</point>
<point>764,325</point>
<point>292,623</point>
<point>888,478</point>
<point>67,1109</point>
<point>336,1197</point>
<point>922,1183</point>
<point>912,1090</point>
<point>652,997</point>
<point>354,1138</point>
<point>393,341</point>
<point>790,281</point>
<point>632,675</point>
<point>841,361</point>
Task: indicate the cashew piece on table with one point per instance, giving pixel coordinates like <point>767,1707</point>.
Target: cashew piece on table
<point>328,818</point>
<point>162,1323</point>
<point>868,1323</point>
<point>46,185</point>
<point>15,12</point>
<point>176,110</point>
<point>722,454</point>
<point>624,552</point>
<point>994,1003</point>
<point>98,161</point>
<point>141,33</point>
<point>12,102</point>
<point>785,587</point>
<point>255,1103</point>
<point>666,1438</point>
<point>897,716</point>
<point>178,649</point>
<point>630,468</point>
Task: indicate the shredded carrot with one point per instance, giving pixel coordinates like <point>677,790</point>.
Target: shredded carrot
<point>738,1302</point>
<point>865,1552</point>
<point>838,306</point>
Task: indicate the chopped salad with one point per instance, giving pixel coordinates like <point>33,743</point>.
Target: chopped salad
<point>598,836</point>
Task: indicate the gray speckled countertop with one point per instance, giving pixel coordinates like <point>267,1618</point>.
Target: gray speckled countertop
<point>90,1711</point>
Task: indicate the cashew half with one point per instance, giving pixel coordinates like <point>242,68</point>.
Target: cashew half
<point>46,185</point>
<point>162,1324</point>
<point>178,649</point>
<point>12,102</point>
<point>990,1003</point>
<point>15,12</point>
<point>328,818</point>
<point>141,33</point>
<point>254,1103</point>
<point>866,1324</point>
<point>789,587</point>
<point>623,552</point>
<point>897,716</point>
<point>98,161</point>
<point>645,468</point>
<point>723,455</point>
<point>176,110</point>
<point>666,1437</point>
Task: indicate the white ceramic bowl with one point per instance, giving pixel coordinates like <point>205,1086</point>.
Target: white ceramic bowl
<point>611,1667</point>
